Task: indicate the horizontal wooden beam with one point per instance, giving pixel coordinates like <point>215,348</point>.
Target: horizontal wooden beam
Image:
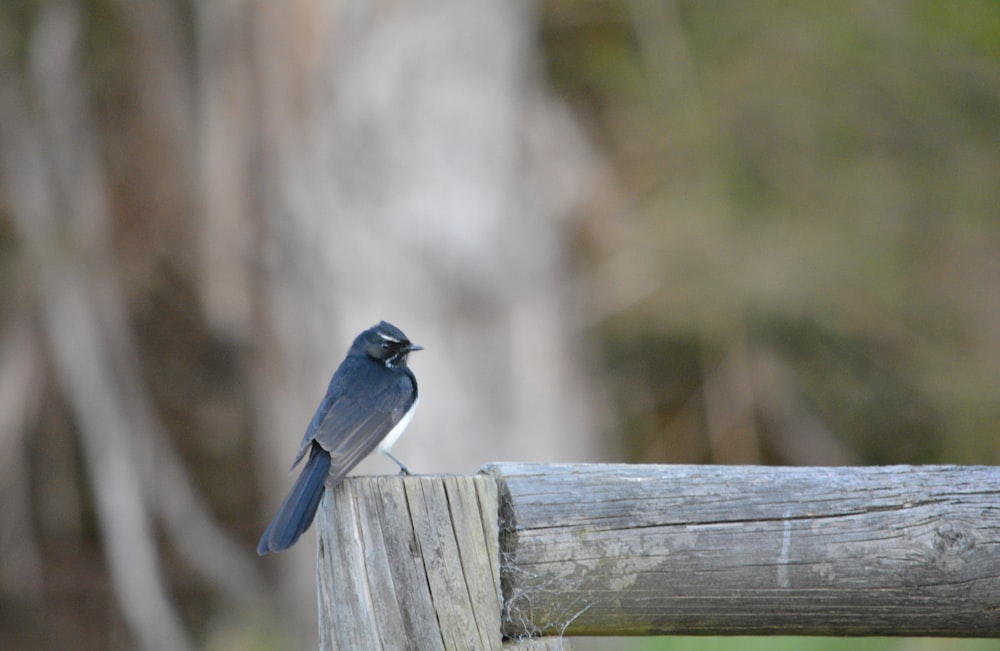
<point>527,550</point>
<point>737,550</point>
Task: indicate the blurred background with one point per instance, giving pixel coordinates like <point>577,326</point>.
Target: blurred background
<point>651,231</point>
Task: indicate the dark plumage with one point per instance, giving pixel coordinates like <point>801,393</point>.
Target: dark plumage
<point>368,404</point>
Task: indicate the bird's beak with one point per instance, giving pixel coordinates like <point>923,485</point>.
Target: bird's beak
<point>413,347</point>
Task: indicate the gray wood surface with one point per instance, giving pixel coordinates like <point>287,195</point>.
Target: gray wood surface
<point>636,550</point>
<point>550,643</point>
<point>409,563</point>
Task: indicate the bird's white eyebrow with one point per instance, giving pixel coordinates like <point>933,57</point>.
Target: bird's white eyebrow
<point>388,337</point>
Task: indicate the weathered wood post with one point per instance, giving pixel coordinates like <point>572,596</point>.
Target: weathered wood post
<point>530,549</point>
<point>412,563</point>
<point>393,571</point>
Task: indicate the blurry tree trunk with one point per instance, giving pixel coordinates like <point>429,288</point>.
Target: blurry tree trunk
<point>428,182</point>
<point>21,377</point>
<point>55,180</point>
<point>60,210</point>
<point>409,165</point>
<point>327,164</point>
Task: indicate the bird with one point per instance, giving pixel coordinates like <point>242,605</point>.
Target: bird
<point>369,402</point>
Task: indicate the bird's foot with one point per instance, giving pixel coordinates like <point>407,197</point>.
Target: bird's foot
<point>403,470</point>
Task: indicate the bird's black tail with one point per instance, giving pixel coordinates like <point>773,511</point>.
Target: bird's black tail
<point>299,508</point>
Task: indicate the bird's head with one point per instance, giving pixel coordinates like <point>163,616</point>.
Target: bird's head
<point>387,344</point>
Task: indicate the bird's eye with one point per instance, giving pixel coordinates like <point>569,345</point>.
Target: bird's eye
<point>384,345</point>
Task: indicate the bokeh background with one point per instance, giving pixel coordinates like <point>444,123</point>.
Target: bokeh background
<point>653,231</point>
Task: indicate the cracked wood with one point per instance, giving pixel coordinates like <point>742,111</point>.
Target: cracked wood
<point>409,562</point>
<point>642,550</point>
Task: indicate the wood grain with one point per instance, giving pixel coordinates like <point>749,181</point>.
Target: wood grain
<point>409,563</point>
<point>642,550</point>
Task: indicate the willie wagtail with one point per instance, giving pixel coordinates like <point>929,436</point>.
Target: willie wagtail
<point>369,403</point>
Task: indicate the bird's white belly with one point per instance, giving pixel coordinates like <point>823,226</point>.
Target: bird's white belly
<point>397,430</point>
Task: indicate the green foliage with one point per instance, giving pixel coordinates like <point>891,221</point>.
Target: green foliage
<point>815,644</point>
<point>809,184</point>
<point>783,643</point>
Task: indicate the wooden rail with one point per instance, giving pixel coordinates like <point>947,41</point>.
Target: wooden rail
<point>528,549</point>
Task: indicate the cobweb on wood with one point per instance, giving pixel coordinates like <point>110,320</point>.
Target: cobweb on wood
<point>518,584</point>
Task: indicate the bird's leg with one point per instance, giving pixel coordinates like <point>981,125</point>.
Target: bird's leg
<point>403,470</point>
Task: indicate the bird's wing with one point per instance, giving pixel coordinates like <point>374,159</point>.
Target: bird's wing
<point>354,425</point>
<point>314,425</point>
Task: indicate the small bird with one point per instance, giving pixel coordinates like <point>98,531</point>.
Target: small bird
<point>370,401</point>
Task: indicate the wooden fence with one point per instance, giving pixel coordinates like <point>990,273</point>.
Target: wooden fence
<point>523,554</point>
